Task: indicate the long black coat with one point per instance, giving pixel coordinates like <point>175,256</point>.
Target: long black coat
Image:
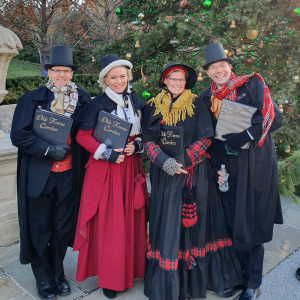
<point>33,168</point>
<point>257,205</point>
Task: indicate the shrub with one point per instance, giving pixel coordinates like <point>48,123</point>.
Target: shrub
<point>18,86</point>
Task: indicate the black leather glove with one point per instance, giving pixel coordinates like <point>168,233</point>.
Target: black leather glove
<point>236,140</point>
<point>58,152</point>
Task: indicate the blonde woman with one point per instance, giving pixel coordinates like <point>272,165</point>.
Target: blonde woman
<point>111,231</point>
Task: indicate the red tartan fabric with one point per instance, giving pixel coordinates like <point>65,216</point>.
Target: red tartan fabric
<point>229,91</point>
<point>172,264</point>
<point>152,150</point>
<point>196,151</point>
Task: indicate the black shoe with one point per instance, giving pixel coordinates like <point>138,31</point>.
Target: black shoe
<point>229,292</point>
<point>248,294</point>
<point>110,294</point>
<point>46,290</point>
<point>62,286</point>
<point>298,273</point>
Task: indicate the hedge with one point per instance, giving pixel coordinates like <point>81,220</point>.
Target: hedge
<point>16,87</point>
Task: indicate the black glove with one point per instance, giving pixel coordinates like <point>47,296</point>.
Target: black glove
<point>113,156</point>
<point>58,152</point>
<point>236,140</point>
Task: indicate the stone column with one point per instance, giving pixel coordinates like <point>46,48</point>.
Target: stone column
<point>9,46</point>
<point>9,226</point>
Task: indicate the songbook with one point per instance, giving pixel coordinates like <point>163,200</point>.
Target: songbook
<point>234,117</point>
<point>171,142</point>
<point>52,127</point>
<point>112,130</point>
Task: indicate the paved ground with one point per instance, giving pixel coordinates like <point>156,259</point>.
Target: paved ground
<point>282,257</point>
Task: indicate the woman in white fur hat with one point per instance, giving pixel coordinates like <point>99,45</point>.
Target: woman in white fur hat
<point>111,228</point>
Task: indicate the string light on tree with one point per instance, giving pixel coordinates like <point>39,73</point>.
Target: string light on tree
<point>119,11</point>
<point>297,11</point>
<point>207,4</point>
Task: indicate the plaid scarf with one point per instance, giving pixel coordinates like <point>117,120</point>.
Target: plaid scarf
<point>67,98</point>
<point>229,91</point>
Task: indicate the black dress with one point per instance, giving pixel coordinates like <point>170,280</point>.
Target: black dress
<point>185,262</point>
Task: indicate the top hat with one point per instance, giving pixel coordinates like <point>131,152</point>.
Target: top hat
<point>110,61</point>
<point>214,53</point>
<point>191,75</point>
<point>60,56</point>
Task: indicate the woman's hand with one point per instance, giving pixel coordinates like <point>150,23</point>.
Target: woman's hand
<point>121,156</point>
<point>180,170</point>
<point>129,149</point>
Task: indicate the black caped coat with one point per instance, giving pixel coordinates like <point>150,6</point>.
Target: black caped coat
<point>33,167</point>
<point>257,202</point>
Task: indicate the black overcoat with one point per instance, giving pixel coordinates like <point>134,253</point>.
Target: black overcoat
<point>257,205</point>
<point>33,168</point>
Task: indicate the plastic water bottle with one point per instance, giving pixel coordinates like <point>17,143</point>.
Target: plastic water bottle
<point>223,187</point>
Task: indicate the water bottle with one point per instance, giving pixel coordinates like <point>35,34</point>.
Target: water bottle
<point>223,187</point>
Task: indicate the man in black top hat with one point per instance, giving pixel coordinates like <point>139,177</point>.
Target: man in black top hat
<point>252,204</point>
<point>49,176</point>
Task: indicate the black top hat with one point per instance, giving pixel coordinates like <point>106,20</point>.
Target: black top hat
<point>214,53</point>
<point>60,56</point>
<point>110,61</point>
<point>191,75</point>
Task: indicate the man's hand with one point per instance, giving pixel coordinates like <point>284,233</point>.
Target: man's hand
<point>58,152</point>
<point>236,140</point>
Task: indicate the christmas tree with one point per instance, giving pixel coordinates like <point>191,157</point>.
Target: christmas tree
<point>260,35</point>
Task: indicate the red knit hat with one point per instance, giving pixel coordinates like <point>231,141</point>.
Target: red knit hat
<point>173,69</point>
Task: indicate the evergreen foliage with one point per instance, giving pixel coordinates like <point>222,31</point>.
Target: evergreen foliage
<point>260,35</point>
<point>289,176</point>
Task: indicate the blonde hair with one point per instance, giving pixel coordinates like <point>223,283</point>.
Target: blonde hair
<point>101,81</point>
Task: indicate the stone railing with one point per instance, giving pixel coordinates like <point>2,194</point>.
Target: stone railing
<point>9,228</point>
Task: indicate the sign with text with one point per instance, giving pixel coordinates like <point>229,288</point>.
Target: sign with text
<point>112,130</point>
<point>52,127</point>
<point>234,117</point>
<point>171,142</point>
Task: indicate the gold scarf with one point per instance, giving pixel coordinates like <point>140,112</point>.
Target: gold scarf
<point>57,105</point>
<point>215,106</point>
<point>182,106</point>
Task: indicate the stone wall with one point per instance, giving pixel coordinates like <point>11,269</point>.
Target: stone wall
<point>6,114</point>
<point>9,228</point>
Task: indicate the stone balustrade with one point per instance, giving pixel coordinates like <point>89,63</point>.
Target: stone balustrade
<point>9,227</point>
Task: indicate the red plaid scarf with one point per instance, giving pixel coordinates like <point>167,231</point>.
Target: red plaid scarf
<point>229,92</point>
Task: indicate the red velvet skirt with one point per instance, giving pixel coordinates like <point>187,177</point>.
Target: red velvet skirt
<point>111,235</point>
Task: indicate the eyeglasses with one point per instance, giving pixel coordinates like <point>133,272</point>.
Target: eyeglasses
<point>181,80</point>
<point>66,72</point>
<point>221,66</point>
